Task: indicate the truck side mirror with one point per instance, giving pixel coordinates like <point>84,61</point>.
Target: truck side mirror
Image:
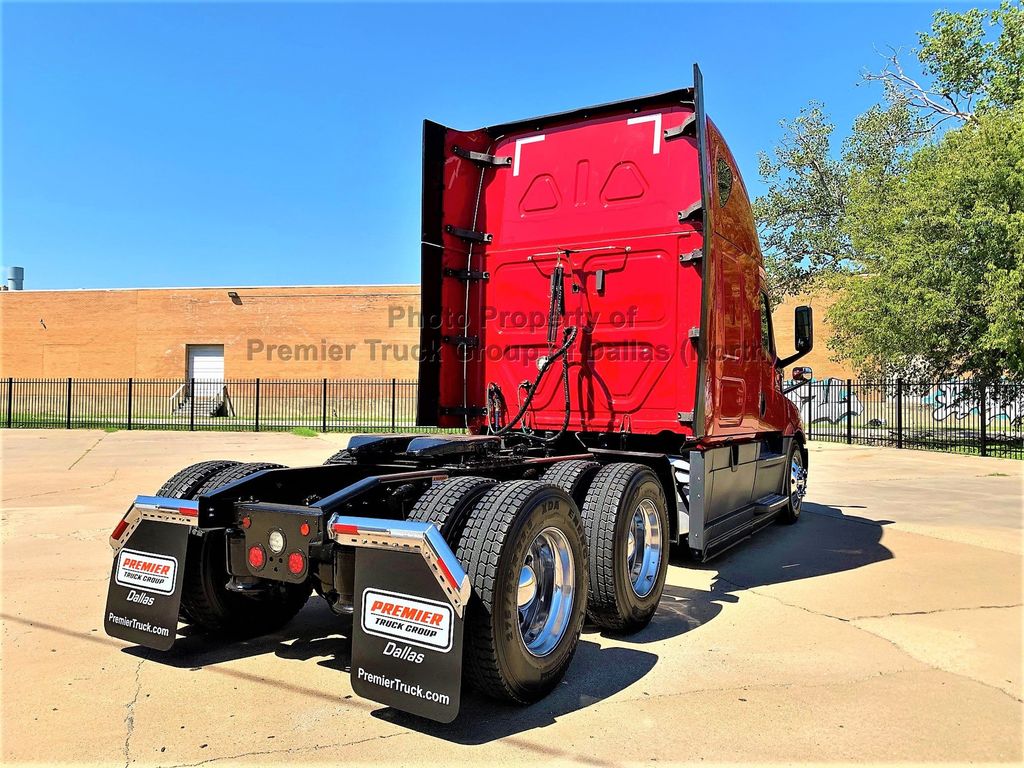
<point>803,332</point>
<point>802,373</point>
<point>803,336</point>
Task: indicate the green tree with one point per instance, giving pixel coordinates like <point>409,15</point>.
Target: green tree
<point>916,219</point>
<point>940,288</point>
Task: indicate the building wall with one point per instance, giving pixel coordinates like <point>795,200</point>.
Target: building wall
<point>280,333</point>
<point>274,333</point>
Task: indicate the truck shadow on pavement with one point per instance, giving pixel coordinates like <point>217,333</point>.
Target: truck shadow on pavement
<point>825,541</point>
<point>595,674</point>
<point>315,633</point>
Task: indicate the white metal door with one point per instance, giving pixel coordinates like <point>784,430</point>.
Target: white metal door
<point>206,366</point>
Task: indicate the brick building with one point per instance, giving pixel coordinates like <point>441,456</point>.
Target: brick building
<point>295,332</point>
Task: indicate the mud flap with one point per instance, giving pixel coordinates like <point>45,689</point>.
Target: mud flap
<point>145,585</point>
<point>410,599</point>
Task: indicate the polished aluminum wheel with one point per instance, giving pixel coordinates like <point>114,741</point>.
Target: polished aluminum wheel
<point>797,482</point>
<point>643,548</point>
<point>546,593</point>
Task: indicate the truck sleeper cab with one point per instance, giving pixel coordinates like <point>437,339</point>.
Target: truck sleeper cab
<point>596,320</point>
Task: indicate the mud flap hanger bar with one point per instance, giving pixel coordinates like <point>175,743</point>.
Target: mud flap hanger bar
<point>159,508</point>
<point>407,536</point>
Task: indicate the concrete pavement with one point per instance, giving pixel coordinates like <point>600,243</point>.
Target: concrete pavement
<point>884,626</point>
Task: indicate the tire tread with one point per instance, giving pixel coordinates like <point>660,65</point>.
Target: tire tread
<point>606,492</point>
<point>479,550</point>
<point>454,496</point>
<point>573,476</point>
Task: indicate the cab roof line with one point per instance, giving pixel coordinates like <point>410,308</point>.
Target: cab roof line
<point>680,95</point>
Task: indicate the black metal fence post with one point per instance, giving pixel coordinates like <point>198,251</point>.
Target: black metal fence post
<point>982,411</point>
<point>256,426</point>
<point>394,397</point>
<point>67,422</point>
<point>192,405</point>
<point>130,381</point>
<point>899,413</point>
<point>323,409</point>
<point>849,412</point>
<point>10,399</point>
<point>808,424</point>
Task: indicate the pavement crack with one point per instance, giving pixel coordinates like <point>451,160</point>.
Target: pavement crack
<point>108,481</point>
<point>893,643</point>
<point>289,750</point>
<point>779,600</point>
<point>767,686</point>
<point>936,610</point>
<point>129,717</point>
<point>87,450</point>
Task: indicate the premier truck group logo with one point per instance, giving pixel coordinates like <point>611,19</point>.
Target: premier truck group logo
<point>413,620</point>
<point>142,570</point>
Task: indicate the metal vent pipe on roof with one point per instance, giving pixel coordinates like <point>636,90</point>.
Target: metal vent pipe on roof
<point>15,278</point>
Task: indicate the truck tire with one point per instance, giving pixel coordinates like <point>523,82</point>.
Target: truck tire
<point>447,504</point>
<point>523,549</point>
<point>341,457</point>
<point>237,472</point>
<point>205,599</point>
<point>184,483</point>
<point>795,485</point>
<point>573,477</point>
<point>626,521</point>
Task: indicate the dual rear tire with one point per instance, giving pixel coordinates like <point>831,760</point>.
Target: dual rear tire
<point>206,601</point>
<point>538,565</point>
<point>523,547</point>
<point>625,516</point>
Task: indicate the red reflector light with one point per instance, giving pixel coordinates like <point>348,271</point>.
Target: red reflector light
<point>246,521</point>
<point>188,511</point>
<point>119,530</point>
<point>257,557</point>
<point>296,563</point>
<point>349,529</point>
<point>304,529</point>
<point>447,574</point>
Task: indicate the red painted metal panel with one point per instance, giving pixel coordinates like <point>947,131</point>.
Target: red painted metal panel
<point>461,303</point>
<point>601,196</point>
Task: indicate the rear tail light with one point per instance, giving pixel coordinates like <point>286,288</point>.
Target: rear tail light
<point>304,529</point>
<point>119,529</point>
<point>257,557</point>
<point>246,521</point>
<point>296,563</point>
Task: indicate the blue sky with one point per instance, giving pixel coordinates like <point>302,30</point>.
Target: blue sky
<point>263,144</point>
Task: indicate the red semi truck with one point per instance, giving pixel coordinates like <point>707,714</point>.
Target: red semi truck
<point>596,320</point>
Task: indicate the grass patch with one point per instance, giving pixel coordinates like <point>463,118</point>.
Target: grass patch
<point>304,432</point>
<point>996,474</point>
<point>111,429</point>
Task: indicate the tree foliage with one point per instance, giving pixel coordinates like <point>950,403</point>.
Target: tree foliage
<point>916,220</point>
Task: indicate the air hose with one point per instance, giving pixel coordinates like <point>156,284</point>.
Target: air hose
<point>568,337</point>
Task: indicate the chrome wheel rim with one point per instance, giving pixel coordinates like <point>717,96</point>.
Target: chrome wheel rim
<point>797,482</point>
<point>546,592</point>
<point>643,548</point>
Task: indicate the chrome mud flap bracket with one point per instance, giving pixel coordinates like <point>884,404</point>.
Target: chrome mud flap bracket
<point>410,601</point>
<point>144,593</point>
